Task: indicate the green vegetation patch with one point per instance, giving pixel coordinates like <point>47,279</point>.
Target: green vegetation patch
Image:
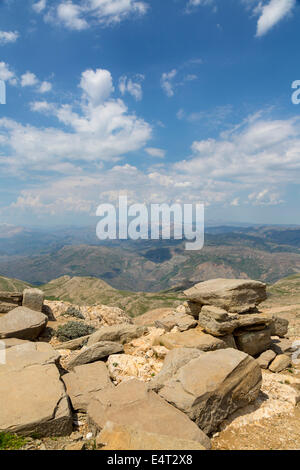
<point>73,330</point>
<point>11,441</point>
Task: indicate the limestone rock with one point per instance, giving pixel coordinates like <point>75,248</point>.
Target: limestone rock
<point>214,385</point>
<point>183,321</point>
<point>175,359</point>
<point>32,396</point>
<point>33,299</point>
<point>22,323</point>
<point>84,381</point>
<point>254,342</point>
<point>266,358</point>
<point>94,353</point>
<point>219,322</point>
<point>233,295</point>
<point>131,403</point>
<point>125,437</point>
<point>119,333</point>
<point>280,363</point>
<point>194,338</point>
<point>123,367</point>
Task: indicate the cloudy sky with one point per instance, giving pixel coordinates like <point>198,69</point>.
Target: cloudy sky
<point>167,101</point>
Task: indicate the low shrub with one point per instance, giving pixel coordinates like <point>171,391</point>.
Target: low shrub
<point>73,330</point>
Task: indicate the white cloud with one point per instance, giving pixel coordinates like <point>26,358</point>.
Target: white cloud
<point>155,152</point>
<point>6,74</point>
<point>100,129</point>
<point>134,88</point>
<point>29,79</point>
<point>8,37</point>
<point>80,15</point>
<point>272,13</point>
<point>39,6</point>
<point>97,85</point>
<point>167,82</point>
<point>45,87</point>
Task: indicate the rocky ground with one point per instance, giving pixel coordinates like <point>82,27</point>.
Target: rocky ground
<point>166,350</point>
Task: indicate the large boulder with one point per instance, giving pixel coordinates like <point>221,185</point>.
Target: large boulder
<point>194,338</point>
<point>233,295</point>
<point>84,381</point>
<point>119,333</point>
<point>94,353</point>
<point>175,359</point>
<point>22,323</point>
<point>33,299</point>
<point>131,403</point>
<point>9,301</point>
<point>253,342</point>
<point>218,322</point>
<point>279,326</point>
<point>149,318</point>
<point>214,385</point>
<point>125,437</point>
<point>32,396</point>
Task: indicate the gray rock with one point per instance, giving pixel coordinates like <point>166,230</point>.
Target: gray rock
<point>233,295</point>
<point>280,363</point>
<point>33,299</point>
<point>32,396</point>
<point>218,322</point>
<point>123,333</point>
<point>254,342</point>
<point>174,360</point>
<point>84,382</point>
<point>94,353</point>
<point>22,323</point>
<point>131,403</point>
<point>183,321</point>
<point>211,387</point>
<point>266,358</point>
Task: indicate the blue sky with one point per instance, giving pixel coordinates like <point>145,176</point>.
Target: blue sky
<point>166,101</point>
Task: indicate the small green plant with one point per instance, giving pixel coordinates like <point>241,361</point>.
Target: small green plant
<point>115,364</point>
<point>73,330</point>
<point>11,441</point>
<point>73,312</point>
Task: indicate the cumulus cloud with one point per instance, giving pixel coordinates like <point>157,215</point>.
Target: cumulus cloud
<point>272,13</point>
<point>101,128</point>
<point>134,88</point>
<point>8,37</point>
<point>39,6</point>
<point>80,15</point>
<point>29,79</point>
<point>6,73</point>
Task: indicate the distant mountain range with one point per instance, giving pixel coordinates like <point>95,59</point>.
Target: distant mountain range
<point>37,256</point>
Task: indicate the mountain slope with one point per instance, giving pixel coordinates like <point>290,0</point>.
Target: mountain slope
<point>12,285</point>
<point>90,291</point>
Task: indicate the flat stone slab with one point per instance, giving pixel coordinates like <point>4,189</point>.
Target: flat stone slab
<point>233,295</point>
<point>131,403</point>
<point>32,396</point>
<point>84,381</point>
<point>118,333</point>
<point>94,353</point>
<point>194,338</point>
<point>22,323</point>
<point>116,437</point>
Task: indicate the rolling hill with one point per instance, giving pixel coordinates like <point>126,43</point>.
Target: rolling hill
<point>12,285</point>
